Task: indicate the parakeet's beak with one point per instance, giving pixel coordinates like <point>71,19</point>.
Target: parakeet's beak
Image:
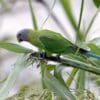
<point>23,35</point>
<point>19,38</point>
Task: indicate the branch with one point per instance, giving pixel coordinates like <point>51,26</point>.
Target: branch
<point>67,62</point>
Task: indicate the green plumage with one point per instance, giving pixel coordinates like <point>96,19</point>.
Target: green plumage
<point>50,41</point>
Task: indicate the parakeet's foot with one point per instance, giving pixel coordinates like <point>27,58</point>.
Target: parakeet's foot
<point>37,56</point>
<point>42,55</point>
<point>58,56</point>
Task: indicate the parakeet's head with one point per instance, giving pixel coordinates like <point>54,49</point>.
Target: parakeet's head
<point>23,35</point>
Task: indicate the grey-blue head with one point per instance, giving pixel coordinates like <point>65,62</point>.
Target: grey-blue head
<point>23,35</point>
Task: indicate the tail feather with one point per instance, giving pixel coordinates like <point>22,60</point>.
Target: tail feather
<point>90,54</point>
<point>93,55</point>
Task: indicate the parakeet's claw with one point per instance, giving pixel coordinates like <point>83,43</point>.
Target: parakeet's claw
<point>38,56</point>
<point>42,55</point>
<point>58,56</point>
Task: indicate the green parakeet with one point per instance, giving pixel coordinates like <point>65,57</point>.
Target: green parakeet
<point>51,42</point>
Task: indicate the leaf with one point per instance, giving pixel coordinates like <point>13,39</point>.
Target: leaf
<point>43,66</point>
<point>94,48</point>
<point>80,84</point>
<point>81,14</point>
<point>14,47</point>
<point>97,3</point>
<point>76,57</point>
<point>34,21</point>
<point>71,77</point>
<point>81,65</point>
<point>58,75</point>
<point>20,65</point>
<point>50,67</point>
<point>56,86</point>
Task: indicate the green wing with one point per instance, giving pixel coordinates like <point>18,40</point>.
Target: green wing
<point>53,44</point>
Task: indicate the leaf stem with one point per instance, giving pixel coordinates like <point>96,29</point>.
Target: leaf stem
<point>81,14</point>
<point>71,77</point>
<point>34,21</point>
<point>43,66</point>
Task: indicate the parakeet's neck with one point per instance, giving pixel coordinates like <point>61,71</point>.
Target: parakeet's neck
<point>33,39</point>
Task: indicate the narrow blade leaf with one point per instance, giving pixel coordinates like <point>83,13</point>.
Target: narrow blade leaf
<point>56,86</point>
<point>20,65</point>
<point>34,21</point>
<point>81,65</point>
<point>14,47</point>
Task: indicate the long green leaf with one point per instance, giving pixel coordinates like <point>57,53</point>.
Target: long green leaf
<point>81,14</point>
<point>43,66</point>
<point>81,65</point>
<point>34,21</point>
<point>71,77</point>
<point>80,84</point>
<point>55,85</point>
<point>20,65</point>
<point>14,47</point>
<point>58,74</point>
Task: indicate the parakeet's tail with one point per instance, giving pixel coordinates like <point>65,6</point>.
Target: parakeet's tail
<point>90,54</point>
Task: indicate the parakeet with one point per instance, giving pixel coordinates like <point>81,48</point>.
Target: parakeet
<point>51,42</point>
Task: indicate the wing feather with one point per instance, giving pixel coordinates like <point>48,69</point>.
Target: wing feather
<point>52,44</point>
